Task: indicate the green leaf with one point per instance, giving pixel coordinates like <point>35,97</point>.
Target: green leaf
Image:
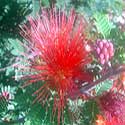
<point>27,123</point>
<point>9,70</point>
<point>45,3</point>
<point>104,86</point>
<point>17,47</point>
<point>3,104</point>
<point>103,24</point>
<point>36,7</point>
<point>64,4</point>
<point>90,111</point>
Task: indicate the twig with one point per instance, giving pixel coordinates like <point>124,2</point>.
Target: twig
<point>113,71</point>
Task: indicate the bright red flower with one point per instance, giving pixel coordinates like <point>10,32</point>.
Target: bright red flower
<point>59,55</point>
<point>114,121</point>
<point>100,120</point>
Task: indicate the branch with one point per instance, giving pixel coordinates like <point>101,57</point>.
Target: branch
<point>112,71</point>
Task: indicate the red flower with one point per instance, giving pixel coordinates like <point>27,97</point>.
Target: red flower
<point>100,120</point>
<point>113,105</point>
<point>114,121</point>
<point>60,54</point>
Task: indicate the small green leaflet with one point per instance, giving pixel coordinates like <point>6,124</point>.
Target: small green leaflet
<point>27,122</point>
<point>104,86</point>
<point>103,24</point>
<point>45,3</point>
<point>9,70</point>
<point>36,7</point>
<point>17,48</point>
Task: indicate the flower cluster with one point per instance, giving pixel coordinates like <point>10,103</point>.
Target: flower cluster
<point>104,50</point>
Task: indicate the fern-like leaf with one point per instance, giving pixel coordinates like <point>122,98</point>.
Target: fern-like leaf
<point>103,24</point>
<point>104,86</point>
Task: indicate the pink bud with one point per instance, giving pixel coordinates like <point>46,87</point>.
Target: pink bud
<point>98,50</point>
<point>107,44</point>
<point>111,53</point>
<point>111,46</point>
<point>101,56</point>
<point>101,45</point>
<point>104,41</point>
<point>107,58</point>
<point>102,61</point>
<point>98,40</point>
<point>105,51</point>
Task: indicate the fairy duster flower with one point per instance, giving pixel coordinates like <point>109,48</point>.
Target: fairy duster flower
<point>59,52</point>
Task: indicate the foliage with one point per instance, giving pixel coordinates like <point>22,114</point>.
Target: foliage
<point>12,14</point>
<point>103,24</point>
<point>21,110</point>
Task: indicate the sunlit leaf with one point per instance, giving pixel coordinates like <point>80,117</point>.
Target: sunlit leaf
<point>104,86</point>
<point>103,24</point>
<point>17,48</point>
